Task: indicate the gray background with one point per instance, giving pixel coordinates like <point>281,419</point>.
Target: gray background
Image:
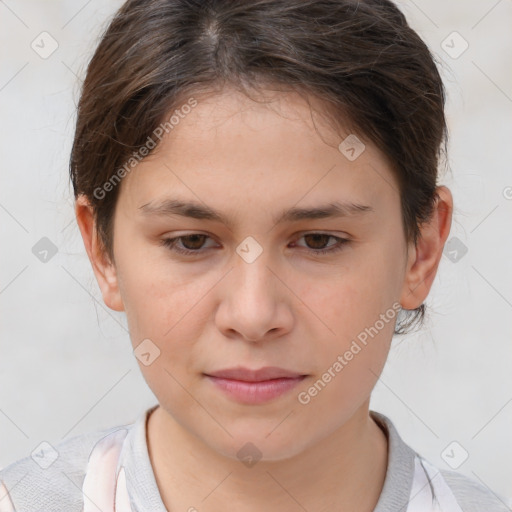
<point>66,365</point>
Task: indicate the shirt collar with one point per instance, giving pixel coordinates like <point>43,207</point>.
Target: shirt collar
<point>396,492</point>
<point>144,493</point>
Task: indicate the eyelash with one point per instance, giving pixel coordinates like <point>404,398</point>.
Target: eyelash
<point>170,243</point>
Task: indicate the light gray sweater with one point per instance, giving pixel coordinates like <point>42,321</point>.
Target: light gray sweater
<point>60,486</point>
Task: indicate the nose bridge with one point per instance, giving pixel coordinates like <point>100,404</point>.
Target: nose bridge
<point>252,300</point>
<point>251,271</point>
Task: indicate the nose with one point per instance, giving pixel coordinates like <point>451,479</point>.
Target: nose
<point>255,304</point>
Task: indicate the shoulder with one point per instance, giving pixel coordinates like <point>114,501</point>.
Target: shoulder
<point>471,495</point>
<point>51,478</point>
<point>414,483</point>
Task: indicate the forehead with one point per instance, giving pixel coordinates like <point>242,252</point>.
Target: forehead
<point>232,149</point>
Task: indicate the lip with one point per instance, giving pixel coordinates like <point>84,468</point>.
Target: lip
<point>247,375</point>
<point>254,387</point>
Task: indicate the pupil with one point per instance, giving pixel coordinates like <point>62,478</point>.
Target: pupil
<point>193,237</point>
<point>322,237</point>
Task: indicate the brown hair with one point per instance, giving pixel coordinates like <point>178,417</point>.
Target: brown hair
<point>360,58</point>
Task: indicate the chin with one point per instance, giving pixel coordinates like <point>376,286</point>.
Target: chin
<point>258,446</point>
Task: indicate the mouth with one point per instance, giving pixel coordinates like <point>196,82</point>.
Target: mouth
<point>254,387</point>
<point>262,374</point>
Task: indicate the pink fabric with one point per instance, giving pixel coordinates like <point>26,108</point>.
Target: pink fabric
<point>6,504</point>
<point>104,489</point>
<point>421,495</point>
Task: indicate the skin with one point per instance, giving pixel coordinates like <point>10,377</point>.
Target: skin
<point>288,308</point>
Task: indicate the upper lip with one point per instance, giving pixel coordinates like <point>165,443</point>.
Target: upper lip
<point>261,374</point>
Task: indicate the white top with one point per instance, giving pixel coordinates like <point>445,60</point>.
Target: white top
<point>110,470</point>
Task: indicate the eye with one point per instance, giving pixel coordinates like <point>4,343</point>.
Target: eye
<point>319,241</point>
<point>190,243</point>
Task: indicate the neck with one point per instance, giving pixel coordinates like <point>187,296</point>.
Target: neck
<point>344,471</point>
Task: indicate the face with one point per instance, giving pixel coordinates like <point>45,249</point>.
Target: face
<point>274,278</point>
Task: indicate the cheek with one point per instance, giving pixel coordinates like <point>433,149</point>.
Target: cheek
<point>167,309</point>
<point>357,309</point>
<point>160,298</point>
<point>349,361</point>
<point>353,299</point>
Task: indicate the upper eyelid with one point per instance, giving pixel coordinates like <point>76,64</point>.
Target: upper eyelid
<point>300,234</point>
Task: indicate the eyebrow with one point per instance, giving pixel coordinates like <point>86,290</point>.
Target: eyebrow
<point>192,209</point>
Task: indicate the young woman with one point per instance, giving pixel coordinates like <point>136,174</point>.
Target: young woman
<point>256,186</point>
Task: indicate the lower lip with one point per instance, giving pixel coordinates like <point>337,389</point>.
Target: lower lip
<point>255,392</point>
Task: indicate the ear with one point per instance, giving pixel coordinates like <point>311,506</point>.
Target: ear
<point>424,258</point>
<point>104,269</point>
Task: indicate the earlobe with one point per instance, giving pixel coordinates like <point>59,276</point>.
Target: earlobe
<point>104,270</point>
<point>424,258</point>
